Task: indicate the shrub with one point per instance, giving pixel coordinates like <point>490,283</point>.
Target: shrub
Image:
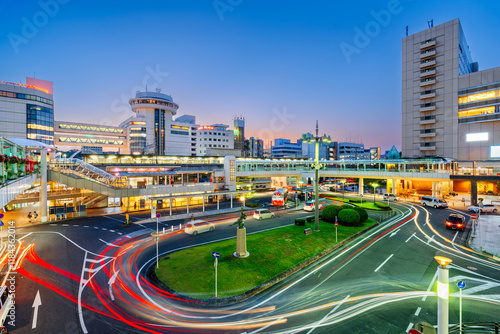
<point>357,200</point>
<point>382,205</point>
<point>300,222</point>
<point>363,215</point>
<point>329,213</point>
<point>332,189</point>
<point>346,206</point>
<point>252,205</point>
<point>349,217</point>
<point>310,219</point>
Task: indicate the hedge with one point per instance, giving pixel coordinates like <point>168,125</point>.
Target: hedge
<point>349,217</point>
<point>357,200</point>
<point>253,205</point>
<point>363,215</point>
<point>300,222</point>
<point>329,213</point>
<point>310,219</point>
<point>382,205</point>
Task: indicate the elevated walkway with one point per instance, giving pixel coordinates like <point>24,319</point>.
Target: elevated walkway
<point>11,189</point>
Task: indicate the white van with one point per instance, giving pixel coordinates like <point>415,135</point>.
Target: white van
<point>390,197</point>
<point>198,226</point>
<point>262,214</point>
<point>433,202</point>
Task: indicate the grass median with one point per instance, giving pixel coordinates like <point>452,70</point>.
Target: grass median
<point>190,272</point>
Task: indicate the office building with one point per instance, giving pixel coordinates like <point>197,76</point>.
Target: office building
<point>27,110</point>
<point>309,149</point>
<point>283,148</point>
<point>254,148</point>
<point>212,138</point>
<point>136,127</point>
<point>97,138</point>
<point>351,151</point>
<point>239,134</point>
<point>449,108</point>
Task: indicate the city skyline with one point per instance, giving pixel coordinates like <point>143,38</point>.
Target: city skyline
<point>219,60</point>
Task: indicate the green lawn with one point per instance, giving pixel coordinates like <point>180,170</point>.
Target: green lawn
<point>190,272</point>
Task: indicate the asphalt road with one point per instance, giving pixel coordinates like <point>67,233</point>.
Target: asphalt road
<point>383,282</point>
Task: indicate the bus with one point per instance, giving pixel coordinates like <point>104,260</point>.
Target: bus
<point>280,196</point>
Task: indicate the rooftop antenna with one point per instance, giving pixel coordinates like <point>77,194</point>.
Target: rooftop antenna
<point>406,31</point>
<point>430,23</point>
<point>158,90</point>
<point>146,88</point>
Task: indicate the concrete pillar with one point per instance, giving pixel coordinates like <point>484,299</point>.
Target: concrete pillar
<point>187,204</point>
<point>170,205</point>
<point>443,295</point>
<point>203,203</point>
<point>473,192</point>
<point>361,185</point>
<point>218,196</point>
<point>394,186</point>
<point>43,185</point>
<point>231,195</point>
<point>435,189</point>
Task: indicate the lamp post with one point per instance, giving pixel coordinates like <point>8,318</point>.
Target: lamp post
<point>316,139</point>
<point>374,185</point>
<point>343,188</point>
<point>443,291</point>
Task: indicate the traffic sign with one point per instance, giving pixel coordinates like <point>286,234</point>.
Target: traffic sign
<point>1,223</point>
<point>336,221</point>
<point>158,215</point>
<point>473,216</point>
<point>461,284</point>
<point>1,215</point>
<point>215,254</point>
<point>413,331</point>
<point>157,238</point>
<point>361,195</point>
<point>296,195</point>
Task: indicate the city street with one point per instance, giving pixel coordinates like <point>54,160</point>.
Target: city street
<point>93,272</point>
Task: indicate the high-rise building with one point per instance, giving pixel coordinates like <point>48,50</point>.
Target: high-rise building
<point>352,151</point>
<point>239,134</point>
<point>136,127</point>
<point>164,135</point>
<point>27,110</point>
<point>448,108</point>
<point>309,148</point>
<point>283,148</point>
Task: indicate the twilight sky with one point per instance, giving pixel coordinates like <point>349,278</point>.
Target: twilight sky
<point>280,64</point>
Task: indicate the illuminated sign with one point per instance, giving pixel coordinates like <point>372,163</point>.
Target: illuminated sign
<point>205,127</point>
<point>495,151</point>
<point>481,136</point>
<point>479,96</point>
<point>138,123</point>
<point>27,86</point>
<point>179,127</point>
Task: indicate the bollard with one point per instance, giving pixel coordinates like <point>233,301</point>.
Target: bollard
<point>163,230</point>
<point>180,226</point>
<point>172,228</point>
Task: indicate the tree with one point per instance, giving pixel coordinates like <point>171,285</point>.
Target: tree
<point>349,217</point>
<point>363,215</point>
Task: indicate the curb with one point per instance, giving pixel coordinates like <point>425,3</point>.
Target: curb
<point>258,289</point>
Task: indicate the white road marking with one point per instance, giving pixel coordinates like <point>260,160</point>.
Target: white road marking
<point>120,220</point>
<point>411,236</point>
<point>384,262</point>
<point>410,326</point>
<point>431,239</point>
<point>52,224</point>
<point>36,303</point>
<point>326,316</point>
<point>394,233</point>
<point>104,229</point>
<point>120,233</point>
<point>64,225</point>
<point>107,243</point>
<point>112,231</point>
<point>85,226</point>
<point>430,286</point>
<point>417,312</point>
<point>454,237</point>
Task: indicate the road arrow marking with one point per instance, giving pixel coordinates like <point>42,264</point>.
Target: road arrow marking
<point>110,283</point>
<point>394,233</point>
<point>36,303</point>
<point>431,239</point>
<point>107,243</point>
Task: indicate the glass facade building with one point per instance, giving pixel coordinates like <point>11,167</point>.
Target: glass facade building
<point>40,123</point>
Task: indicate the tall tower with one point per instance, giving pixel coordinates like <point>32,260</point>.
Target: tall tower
<point>157,110</point>
<point>239,134</point>
<point>433,60</point>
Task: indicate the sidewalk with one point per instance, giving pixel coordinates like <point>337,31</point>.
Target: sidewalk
<point>486,235</point>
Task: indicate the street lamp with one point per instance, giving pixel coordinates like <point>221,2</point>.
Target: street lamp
<point>242,199</point>
<point>316,139</point>
<point>343,187</point>
<point>374,185</point>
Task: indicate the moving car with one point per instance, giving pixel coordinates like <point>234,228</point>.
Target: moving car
<point>455,222</point>
<point>433,201</point>
<point>390,197</point>
<point>484,208</point>
<point>309,206</point>
<point>198,226</point>
<point>262,214</point>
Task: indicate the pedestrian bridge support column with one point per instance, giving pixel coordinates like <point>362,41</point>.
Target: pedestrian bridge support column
<point>361,186</point>
<point>43,185</point>
<point>473,192</point>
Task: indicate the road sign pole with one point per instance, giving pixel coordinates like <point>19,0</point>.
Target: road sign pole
<point>157,262</point>
<point>460,311</point>
<point>335,232</point>
<point>215,277</point>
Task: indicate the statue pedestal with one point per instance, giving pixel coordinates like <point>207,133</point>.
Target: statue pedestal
<point>241,243</point>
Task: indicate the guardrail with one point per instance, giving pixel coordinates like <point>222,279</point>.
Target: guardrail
<point>476,327</point>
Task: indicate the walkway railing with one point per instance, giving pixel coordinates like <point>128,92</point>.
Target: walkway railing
<point>84,170</point>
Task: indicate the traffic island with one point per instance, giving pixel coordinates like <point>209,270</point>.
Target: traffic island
<point>276,254</point>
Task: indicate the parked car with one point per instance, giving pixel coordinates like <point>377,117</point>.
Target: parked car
<point>262,214</point>
<point>455,222</point>
<point>390,197</point>
<point>198,226</point>
<point>310,206</point>
<point>433,201</point>
<point>484,208</point>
